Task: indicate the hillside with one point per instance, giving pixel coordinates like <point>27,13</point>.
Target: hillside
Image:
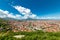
<point>29,30</point>
<point>30,25</point>
<point>4,25</point>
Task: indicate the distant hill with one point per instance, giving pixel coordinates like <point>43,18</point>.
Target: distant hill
<point>27,19</point>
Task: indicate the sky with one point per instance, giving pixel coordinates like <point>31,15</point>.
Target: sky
<point>34,9</point>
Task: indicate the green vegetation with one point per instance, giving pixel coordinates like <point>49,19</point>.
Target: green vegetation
<point>4,25</point>
<point>37,35</point>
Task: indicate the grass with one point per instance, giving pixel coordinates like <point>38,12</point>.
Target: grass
<point>38,35</point>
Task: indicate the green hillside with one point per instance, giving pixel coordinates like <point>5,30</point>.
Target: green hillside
<point>4,26</point>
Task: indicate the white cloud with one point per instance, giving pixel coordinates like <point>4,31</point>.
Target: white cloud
<point>7,14</point>
<point>22,10</point>
<point>26,12</point>
<point>33,16</point>
<point>49,17</point>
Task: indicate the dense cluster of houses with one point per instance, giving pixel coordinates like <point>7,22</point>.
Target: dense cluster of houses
<point>49,26</point>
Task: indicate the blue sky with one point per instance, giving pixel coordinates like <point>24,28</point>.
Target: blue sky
<point>36,9</point>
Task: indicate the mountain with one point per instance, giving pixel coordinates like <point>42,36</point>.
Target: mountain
<point>8,18</point>
<point>26,19</point>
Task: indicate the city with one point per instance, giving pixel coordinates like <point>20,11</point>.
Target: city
<point>45,25</point>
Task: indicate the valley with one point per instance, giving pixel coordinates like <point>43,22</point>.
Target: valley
<point>29,30</point>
